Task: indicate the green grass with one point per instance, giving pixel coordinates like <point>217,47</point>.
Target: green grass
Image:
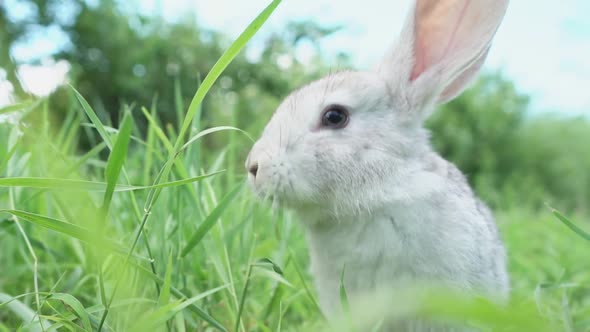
<point>160,235</point>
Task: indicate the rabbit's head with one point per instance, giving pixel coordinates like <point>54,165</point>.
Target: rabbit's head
<point>332,145</point>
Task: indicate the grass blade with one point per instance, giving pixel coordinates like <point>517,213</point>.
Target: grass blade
<point>78,308</point>
<point>165,293</point>
<point>343,295</point>
<point>273,276</point>
<point>302,279</point>
<point>275,267</point>
<point>153,320</point>
<point>65,228</point>
<point>115,131</point>
<point>24,106</point>
<point>116,160</point>
<point>571,225</point>
<point>243,298</point>
<point>7,158</point>
<point>14,107</point>
<point>179,294</point>
<point>81,185</point>
<point>202,91</point>
<point>213,130</point>
<point>344,301</point>
<point>210,220</point>
<point>220,66</point>
<point>84,158</point>
<point>53,224</point>
<point>179,182</point>
<point>157,130</point>
<point>21,310</point>
<point>94,119</point>
<point>264,262</point>
<point>150,143</point>
<point>178,104</point>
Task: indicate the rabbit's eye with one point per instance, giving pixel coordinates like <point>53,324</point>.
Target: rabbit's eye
<point>335,117</point>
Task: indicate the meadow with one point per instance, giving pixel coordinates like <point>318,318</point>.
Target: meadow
<point>153,229</point>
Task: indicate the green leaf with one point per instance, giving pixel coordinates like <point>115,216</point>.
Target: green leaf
<point>115,131</point>
<point>153,320</point>
<point>202,91</point>
<point>178,104</point>
<point>571,225</point>
<point>165,292</point>
<point>179,322</point>
<point>21,310</point>
<point>7,158</point>
<point>194,106</point>
<point>243,298</point>
<point>14,108</point>
<point>84,158</point>
<point>69,317</point>
<point>343,295</point>
<point>210,220</point>
<point>65,228</point>
<point>80,185</point>
<point>76,306</point>
<point>193,307</point>
<point>304,282</point>
<point>94,119</point>
<point>273,276</point>
<point>274,266</point>
<point>23,106</point>
<point>220,66</point>
<point>157,130</point>
<point>117,159</point>
<point>151,143</point>
<point>344,302</point>
<point>213,130</point>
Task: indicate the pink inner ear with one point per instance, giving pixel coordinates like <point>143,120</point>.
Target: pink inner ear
<point>457,85</point>
<point>437,25</point>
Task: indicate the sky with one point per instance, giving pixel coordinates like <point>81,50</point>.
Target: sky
<point>543,45</point>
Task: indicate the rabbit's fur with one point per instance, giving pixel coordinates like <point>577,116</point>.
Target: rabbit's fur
<point>374,196</point>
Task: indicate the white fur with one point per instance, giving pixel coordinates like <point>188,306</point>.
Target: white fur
<point>374,196</point>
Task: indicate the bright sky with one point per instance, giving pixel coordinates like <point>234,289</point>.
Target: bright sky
<point>542,45</point>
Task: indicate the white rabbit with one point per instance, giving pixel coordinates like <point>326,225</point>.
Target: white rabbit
<point>350,155</point>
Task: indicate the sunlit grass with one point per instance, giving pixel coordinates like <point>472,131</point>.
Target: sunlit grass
<point>160,235</point>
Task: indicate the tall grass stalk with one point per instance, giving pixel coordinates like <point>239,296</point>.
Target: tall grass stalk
<point>193,108</point>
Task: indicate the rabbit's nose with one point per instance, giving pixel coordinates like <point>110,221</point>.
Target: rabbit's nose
<point>252,164</point>
<point>253,168</point>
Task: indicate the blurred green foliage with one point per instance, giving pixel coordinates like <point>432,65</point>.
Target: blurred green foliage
<point>120,58</point>
<point>515,159</point>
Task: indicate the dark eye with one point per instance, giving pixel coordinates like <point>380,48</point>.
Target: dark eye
<point>335,117</point>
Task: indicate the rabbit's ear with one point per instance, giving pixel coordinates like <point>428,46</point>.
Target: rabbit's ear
<point>443,45</point>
